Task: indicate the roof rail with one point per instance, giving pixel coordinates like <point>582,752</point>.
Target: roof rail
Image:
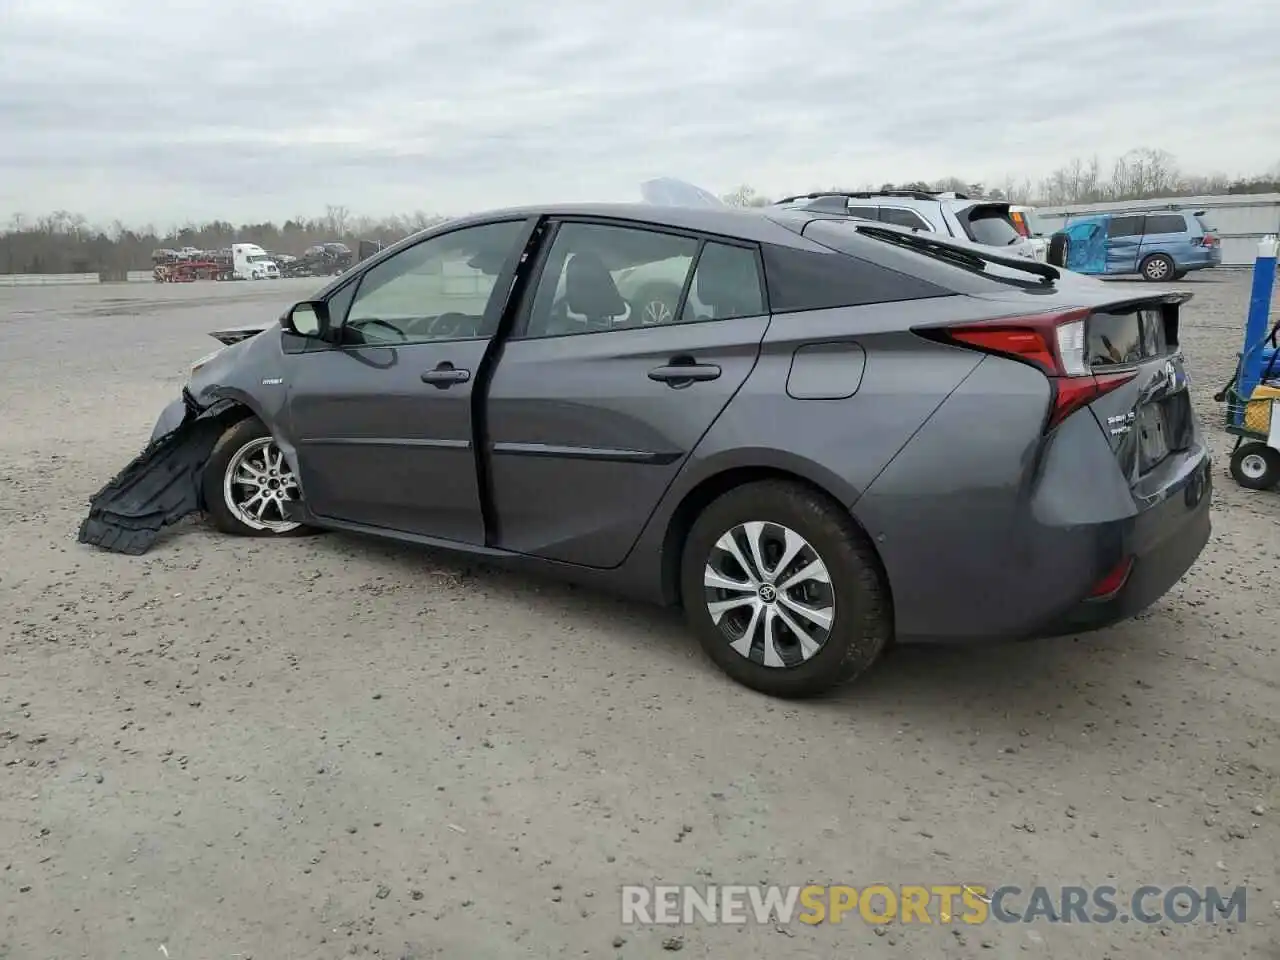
<point>868,194</point>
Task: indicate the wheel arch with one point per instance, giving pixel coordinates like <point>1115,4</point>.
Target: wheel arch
<point>710,488</point>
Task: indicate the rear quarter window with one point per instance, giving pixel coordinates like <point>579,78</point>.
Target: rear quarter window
<point>800,280</point>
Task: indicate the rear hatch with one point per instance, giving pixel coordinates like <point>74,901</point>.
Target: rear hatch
<point>992,225</point>
<point>1136,381</point>
<point>1148,420</point>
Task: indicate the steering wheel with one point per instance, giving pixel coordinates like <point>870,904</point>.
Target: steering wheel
<point>378,322</point>
<point>450,324</point>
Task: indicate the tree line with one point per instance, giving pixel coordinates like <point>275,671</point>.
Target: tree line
<point>64,242</point>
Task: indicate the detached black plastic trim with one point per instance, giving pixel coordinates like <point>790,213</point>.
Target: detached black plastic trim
<point>158,488</point>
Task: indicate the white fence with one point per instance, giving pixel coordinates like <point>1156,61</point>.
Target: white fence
<point>45,279</point>
<point>65,279</point>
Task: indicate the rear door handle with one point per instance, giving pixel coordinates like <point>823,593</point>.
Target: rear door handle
<point>446,375</point>
<point>680,374</point>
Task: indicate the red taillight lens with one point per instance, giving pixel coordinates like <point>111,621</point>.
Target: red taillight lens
<point>1113,581</point>
<point>1019,223</point>
<point>1051,342</point>
<point>1209,240</point>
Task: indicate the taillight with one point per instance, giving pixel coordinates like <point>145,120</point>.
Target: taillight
<point>1208,240</point>
<point>1051,342</point>
<point>1116,578</point>
<point>1019,223</point>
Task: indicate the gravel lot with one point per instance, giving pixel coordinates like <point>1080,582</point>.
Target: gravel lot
<point>328,746</point>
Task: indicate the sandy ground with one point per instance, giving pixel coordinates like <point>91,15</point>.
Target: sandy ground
<point>328,747</point>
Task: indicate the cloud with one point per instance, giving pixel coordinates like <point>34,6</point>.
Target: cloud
<point>162,111</point>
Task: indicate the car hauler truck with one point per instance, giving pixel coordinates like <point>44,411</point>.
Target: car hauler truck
<point>240,261</point>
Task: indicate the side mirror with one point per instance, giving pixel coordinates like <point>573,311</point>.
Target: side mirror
<point>309,318</point>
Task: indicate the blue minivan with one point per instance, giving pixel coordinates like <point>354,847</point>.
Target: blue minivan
<point>1159,245</point>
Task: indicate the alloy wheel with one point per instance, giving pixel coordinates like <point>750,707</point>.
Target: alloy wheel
<point>769,592</point>
<point>256,485</point>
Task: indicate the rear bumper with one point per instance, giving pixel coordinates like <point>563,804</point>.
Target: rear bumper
<point>1164,544</point>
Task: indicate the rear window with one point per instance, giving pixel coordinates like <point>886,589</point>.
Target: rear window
<point>990,226</point>
<point>1122,338</point>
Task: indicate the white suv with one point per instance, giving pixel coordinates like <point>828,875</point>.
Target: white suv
<point>987,222</point>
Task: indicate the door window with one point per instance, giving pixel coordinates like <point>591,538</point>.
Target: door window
<point>1124,227</point>
<point>600,277</point>
<point>439,289</point>
<point>726,285</point>
<point>1165,223</point>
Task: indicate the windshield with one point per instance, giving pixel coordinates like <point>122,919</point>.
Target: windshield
<point>258,257</point>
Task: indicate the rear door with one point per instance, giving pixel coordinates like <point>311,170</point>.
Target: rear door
<point>1124,240</point>
<point>593,409</point>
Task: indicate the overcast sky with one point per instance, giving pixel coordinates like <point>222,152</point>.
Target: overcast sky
<point>163,110</point>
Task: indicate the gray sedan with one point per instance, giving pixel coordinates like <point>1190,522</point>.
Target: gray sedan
<point>834,433</point>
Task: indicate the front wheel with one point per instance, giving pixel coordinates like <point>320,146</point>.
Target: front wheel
<point>783,590</point>
<point>1157,268</point>
<point>247,482</point>
<point>1256,466</point>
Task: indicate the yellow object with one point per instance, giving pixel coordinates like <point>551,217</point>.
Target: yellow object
<point>1257,412</point>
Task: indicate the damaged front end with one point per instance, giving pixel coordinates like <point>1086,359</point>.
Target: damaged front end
<point>161,485</point>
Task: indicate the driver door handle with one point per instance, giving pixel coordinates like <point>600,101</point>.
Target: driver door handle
<point>682,371</point>
<point>445,375</point>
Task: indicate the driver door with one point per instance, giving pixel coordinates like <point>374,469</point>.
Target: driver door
<point>382,418</point>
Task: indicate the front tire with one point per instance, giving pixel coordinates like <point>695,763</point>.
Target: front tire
<point>1256,466</point>
<point>247,481</point>
<point>783,590</point>
<point>1157,268</point>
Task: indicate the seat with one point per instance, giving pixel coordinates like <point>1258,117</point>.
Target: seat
<point>590,295</point>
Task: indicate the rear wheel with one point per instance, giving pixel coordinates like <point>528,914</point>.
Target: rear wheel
<point>1157,268</point>
<point>247,482</point>
<point>783,590</point>
<point>1256,466</point>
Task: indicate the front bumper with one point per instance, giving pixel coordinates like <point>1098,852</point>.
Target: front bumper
<point>158,487</point>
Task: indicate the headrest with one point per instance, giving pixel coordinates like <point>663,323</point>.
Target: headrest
<point>589,289</point>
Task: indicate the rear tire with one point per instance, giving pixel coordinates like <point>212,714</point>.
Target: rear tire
<point>246,460</point>
<point>750,635</point>
<point>1157,268</point>
<point>1057,252</point>
<point>1256,466</point>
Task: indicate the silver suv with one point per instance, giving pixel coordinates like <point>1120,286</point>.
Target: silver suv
<point>949,214</point>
